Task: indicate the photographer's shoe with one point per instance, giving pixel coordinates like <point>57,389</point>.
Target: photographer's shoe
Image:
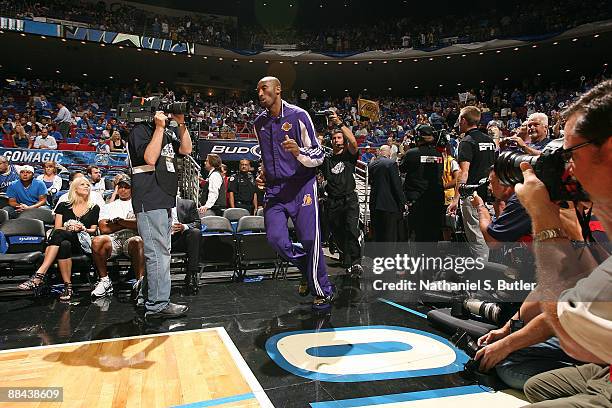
<point>169,312</point>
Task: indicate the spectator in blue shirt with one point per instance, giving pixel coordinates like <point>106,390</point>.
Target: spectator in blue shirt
<point>25,193</point>
<point>8,174</point>
<point>514,122</point>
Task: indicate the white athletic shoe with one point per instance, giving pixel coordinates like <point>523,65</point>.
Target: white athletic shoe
<point>103,288</point>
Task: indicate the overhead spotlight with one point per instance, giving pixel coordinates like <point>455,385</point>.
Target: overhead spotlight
<point>498,51</point>
<point>606,64</point>
<point>482,82</point>
<point>84,74</point>
<point>205,57</point>
<point>574,39</point>
<point>596,36</point>
<point>267,62</point>
<point>189,55</point>
<point>174,54</point>
<point>43,37</point>
<point>281,62</point>
<point>431,59</point>
<point>102,45</point>
<point>325,63</point>
<point>481,53</point>
<point>346,90</point>
<point>251,61</point>
<point>29,68</point>
<point>506,79</point>
<point>290,5</point>
<point>539,74</point>
<point>440,85</point>
<point>111,77</point>
<point>57,71</point>
<point>370,62</point>
<point>136,79</point>
<point>384,62</point>
<point>138,49</point>
<point>516,49</point>
<point>390,89</point>
<point>63,39</point>
<point>121,47</point>
<point>556,43</point>
<point>416,87</point>
<point>310,63</point>
<point>1,32</point>
<point>235,59</point>
<point>220,58</point>
<point>355,63</point>
<point>295,62</point>
<point>400,61</point>
<point>339,62</point>
<point>463,55</point>
<point>459,84</point>
<point>448,57</point>
<point>82,42</point>
<point>325,90</point>
<point>567,70</point>
<point>23,35</point>
<point>416,59</point>
<point>365,89</point>
<point>161,82</point>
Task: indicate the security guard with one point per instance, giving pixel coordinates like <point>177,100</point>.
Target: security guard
<point>423,187</point>
<point>242,189</point>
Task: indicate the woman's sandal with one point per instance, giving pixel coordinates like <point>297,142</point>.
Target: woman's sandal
<point>67,293</point>
<point>32,282</point>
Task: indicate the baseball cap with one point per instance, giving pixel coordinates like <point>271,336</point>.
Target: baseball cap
<point>26,168</point>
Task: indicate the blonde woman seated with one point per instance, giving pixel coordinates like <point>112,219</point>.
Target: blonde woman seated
<point>50,177</point>
<point>117,145</point>
<point>75,221</point>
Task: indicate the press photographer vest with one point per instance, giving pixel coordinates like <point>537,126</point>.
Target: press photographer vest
<point>165,167</point>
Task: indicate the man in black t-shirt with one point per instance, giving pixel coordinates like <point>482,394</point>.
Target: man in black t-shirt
<point>152,148</point>
<point>342,203</point>
<point>476,156</point>
<point>242,190</point>
<point>423,166</point>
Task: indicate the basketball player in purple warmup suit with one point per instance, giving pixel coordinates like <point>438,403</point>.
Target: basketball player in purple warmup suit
<point>290,152</point>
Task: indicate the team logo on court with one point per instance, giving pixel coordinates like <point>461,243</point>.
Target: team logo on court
<point>286,126</point>
<point>307,200</point>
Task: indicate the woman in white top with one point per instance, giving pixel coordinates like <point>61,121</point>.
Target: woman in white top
<point>50,177</point>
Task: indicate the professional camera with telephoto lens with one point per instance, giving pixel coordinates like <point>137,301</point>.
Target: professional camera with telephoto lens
<point>144,109</point>
<point>551,167</point>
<point>482,189</point>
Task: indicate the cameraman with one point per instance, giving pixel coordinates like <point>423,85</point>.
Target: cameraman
<point>579,311</point>
<point>423,166</point>
<point>476,156</point>
<point>511,222</point>
<point>152,148</point>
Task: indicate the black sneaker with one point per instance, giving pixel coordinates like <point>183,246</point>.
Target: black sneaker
<point>169,312</point>
<point>323,303</point>
<point>355,271</point>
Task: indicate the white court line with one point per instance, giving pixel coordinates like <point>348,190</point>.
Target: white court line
<point>248,375</point>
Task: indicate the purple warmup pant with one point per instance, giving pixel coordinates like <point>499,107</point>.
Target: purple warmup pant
<point>301,204</point>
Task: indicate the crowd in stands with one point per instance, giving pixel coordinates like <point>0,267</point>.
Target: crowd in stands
<point>126,18</point>
<point>30,113</point>
<point>411,31</point>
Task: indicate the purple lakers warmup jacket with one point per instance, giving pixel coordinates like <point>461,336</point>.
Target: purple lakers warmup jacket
<point>282,167</point>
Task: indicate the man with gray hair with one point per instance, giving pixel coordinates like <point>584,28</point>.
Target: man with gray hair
<point>537,130</point>
<point>387,199</point>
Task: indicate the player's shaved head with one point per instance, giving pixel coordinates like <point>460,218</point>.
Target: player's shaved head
<point>274,81</point>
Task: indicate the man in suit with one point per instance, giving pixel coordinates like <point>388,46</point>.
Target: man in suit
<point>186,235</point>
<point>387,199</point>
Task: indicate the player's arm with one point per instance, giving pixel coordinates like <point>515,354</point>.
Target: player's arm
<point>310,154</point>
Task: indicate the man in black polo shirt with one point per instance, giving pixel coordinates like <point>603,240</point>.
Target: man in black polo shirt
<point>152,148</point>
<point>476,156</point>
<point>242,190</point>
<point>342,203</point>
<point>423,166</point>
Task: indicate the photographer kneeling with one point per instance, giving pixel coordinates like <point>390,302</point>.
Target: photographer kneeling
<point>515,354</point>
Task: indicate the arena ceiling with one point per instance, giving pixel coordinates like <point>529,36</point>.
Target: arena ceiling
<point>30,56</point>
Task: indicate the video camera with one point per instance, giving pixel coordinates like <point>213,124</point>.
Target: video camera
<point>144,109</point>
<point>550,167</point>
<point>321,119</point>
<point>482,189</point>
